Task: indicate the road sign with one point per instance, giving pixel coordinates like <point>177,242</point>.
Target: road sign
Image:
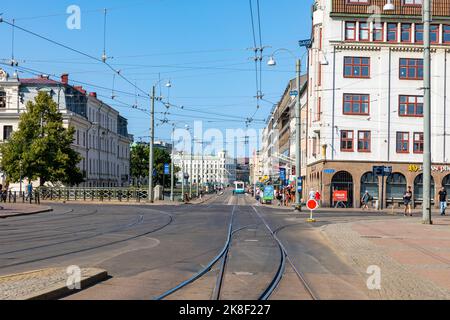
<point>293,93</point>
<point>166,168</point>
<point>382,171</point>
<point>305,43</point>
<point>312,204</point>
<point>329,171</point>
<point>155,173</point>
<point>299,184</point>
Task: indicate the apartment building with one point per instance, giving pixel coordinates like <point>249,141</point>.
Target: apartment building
<point>207,169</point>
<point>365,98</point>
<point>101,136</point>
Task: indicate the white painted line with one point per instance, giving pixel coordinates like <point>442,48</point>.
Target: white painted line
<point>243,273</point>
<point>251,240</point>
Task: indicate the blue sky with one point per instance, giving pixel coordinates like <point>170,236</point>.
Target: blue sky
<point>200,45</point>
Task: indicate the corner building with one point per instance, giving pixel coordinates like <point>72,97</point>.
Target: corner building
<point>365,98</point>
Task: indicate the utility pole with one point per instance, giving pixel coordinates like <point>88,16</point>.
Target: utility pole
<point>172,167</point>
<point>191,176</point>
<point>298,138</point>
<point>427,114</point>
<point>151,155</point>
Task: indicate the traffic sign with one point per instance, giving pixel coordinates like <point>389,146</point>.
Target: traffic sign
<point>305,43</point>
<point>155,173</point>
<point>166,168</point>
<point>312,204</point>
<point>293,93</point>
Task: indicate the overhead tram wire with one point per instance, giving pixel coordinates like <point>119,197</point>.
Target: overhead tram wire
<point>75,51</point>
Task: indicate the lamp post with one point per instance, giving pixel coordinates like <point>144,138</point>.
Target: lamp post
<point>172,166</point>
<point>427,114</point>
<point>298,119</point>
<point>151,195</point>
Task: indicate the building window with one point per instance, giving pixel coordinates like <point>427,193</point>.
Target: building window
<point>419,33</point>
<point>411,69</point>
<point>356,67</point>
<point>347,140</point>
<point>378,30</point>
<point>2,99</point>
<point>446,34</point>
<point>411,106</point>
<point>364,141</point>
<point>7,132</point>
<point>418,142</point>
<point>358,1</point>
<point>402,142</point>
<point>406,32</point>
<point>350,31</point>
<point>412,2</point>
<point>356,104</point>
<point>392,30</point>
<point>364,31</point>
<point>434,34</point>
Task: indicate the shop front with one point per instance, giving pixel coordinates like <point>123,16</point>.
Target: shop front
<point>355,178</point>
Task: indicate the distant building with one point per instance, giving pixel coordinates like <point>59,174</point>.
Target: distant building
<point>220,169</point>
<point>101,135</point>
<point>243,169</point>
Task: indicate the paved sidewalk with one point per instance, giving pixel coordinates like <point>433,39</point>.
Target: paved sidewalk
<point>46,284</point>
<point>414,258</point>
<point>21,209</point>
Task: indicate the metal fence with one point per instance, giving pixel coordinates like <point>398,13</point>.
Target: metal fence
<point>93,194</point>
<point>20,197</point>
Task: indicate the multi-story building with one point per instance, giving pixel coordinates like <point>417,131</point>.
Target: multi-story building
<point>279,142</point>
<point>366,98</point>
<point>207,169</point>
<point>101,136</point>
<point>243,169</point>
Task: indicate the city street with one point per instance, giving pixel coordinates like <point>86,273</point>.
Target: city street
<point>148,250</point>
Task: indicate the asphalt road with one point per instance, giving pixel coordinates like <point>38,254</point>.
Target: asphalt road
<point>147,250</point>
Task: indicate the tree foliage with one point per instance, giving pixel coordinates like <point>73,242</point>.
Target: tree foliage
<point>41,148</point>
<point>140,160</point>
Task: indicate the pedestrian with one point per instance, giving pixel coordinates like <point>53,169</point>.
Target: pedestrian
<point>443,200</point>
<point>279,195</point>
<point>29,191</point>
<point>318,197</point>
<point>407,198</point>
<point>312,195</point>
<point>365,200</point>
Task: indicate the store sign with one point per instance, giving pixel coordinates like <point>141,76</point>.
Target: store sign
<point>419,168</point>
<point>340,195</point>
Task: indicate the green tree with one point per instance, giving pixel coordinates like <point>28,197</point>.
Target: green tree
<point>41,148</point>
<point>140,160</point>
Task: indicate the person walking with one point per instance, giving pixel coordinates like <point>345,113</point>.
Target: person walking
<point>443,200</point>
<point>407,197</point>
<point>365,200</point>
<point>29,191</point>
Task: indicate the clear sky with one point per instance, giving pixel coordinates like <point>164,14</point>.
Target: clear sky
<point>200,45</point>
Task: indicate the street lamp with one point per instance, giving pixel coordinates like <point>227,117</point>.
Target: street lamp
<point>298,119</point>
<point>151,195</point>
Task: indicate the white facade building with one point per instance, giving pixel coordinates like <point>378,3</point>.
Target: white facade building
<point>220,169</point>
<point>365,98</point>
<point>101,136</point>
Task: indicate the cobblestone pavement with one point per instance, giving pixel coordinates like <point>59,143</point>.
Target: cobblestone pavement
<point>414,258</point>
<point>37,283</point>
<point>18,209</point>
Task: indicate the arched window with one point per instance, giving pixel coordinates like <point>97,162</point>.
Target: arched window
<point>369,182</point>
<point>418,188</point>
<point>395,186</point>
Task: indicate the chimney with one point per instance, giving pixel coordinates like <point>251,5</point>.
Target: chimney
<point>80,89</point>
<point>93,94</point>
<point>65,78</point>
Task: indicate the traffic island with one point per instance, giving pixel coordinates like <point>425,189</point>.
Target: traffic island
<point>21,209</point>
<point>48,284</point>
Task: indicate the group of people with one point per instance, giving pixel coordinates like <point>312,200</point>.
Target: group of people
<point>285,196</point>
<point>407,201</point>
